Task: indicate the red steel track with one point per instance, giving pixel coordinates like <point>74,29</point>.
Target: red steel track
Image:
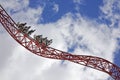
<point>49,52</point>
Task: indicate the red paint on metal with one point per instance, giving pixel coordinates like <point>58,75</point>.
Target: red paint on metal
<point>49,52</point>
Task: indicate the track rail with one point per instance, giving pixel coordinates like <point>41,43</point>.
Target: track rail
<point>49,52</point>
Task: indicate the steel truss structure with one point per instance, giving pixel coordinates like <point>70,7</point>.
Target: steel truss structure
<point>49,52</point>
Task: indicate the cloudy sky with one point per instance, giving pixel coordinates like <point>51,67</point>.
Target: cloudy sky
<point>83,27</point>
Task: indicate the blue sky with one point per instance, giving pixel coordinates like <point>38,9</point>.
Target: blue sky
<point>83,27</point>
<point>117,52</point>
<point>87,8</point>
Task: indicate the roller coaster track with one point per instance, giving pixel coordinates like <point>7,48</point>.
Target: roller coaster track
<point>49,52</point>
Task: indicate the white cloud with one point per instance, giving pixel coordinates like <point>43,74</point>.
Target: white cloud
<point>18,63</point>
<point>16,5</point>
<point>77,1</point>
<point>111,12</point>
<point>56,7</point>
